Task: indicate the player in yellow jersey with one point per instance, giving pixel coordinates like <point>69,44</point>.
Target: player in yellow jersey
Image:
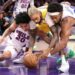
<point>45,23</point>
<point>41,25</point>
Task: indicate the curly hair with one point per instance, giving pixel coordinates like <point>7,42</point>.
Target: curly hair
<point>54,7</point>
<point>22,18</point>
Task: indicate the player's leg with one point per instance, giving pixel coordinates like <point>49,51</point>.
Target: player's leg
<point>64,63</point>
<point>8,53</point>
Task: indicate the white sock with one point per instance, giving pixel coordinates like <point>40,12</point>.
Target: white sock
<point>63,59</point>
<point>64,65</point>
<point>49,55</point>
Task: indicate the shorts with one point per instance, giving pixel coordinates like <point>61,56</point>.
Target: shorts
<point>12,50</point>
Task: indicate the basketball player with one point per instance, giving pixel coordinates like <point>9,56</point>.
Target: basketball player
<point>64,19</point>
<point>40,28</point>
<point>33,30</point>
<point>38,15</point>
<point>19,39</point>
<point>20,5</point>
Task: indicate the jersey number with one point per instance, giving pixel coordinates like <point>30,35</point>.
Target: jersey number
<point>21,36</point>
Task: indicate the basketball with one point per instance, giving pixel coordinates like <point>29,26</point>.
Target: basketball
<point>30,60</point>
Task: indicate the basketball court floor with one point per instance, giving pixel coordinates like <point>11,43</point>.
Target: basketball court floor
<point>47,66</point>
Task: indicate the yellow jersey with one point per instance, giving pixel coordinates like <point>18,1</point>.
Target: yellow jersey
<point>43,25</point>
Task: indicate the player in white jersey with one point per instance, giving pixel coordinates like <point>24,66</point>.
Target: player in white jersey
<point>22,5</point>
<point>64,19</point>
<point>19,40</point>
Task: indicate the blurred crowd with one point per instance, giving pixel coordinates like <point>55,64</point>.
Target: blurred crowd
<point>42,2</point>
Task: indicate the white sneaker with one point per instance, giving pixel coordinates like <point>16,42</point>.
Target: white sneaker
<point>64,67</point>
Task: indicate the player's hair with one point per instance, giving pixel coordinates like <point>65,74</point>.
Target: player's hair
<point>22,18</point>
<point>54,7</point>
<point>32,10</point>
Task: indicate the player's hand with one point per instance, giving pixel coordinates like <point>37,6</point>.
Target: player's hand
<point>28,52</point>
<point>1,57</point>
<point>45,53</point>
<point>41,55</point>
<point>38,53</point>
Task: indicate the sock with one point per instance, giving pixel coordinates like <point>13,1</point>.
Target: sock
<point>49,55</point>
<point>63,59</point>
<point>64,64</point>
<point>70,54</point>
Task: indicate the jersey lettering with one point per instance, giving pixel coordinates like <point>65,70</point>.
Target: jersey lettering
<point>21,36</point>
<point>24,3</point>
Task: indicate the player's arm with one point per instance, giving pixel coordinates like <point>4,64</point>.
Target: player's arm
<point>8,31</point>
<point>54,37</point>
<point>5,55</point>
<point>64,37</point>
<point>53,30</point>
<point>35,31</point>
<point>32,39</point>
<point>31,44</point>
<point>52,43</point>
<point>7,4</point>
<point>41,34</point>
<point>44,36</point>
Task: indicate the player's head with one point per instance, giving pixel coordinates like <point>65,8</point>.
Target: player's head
<point>23,19</point>
<point>55,11</point>
<point>35,14</point>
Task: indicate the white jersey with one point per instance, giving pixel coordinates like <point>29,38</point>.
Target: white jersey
<point>32,25</point>
<point>49,20</point>
<point>22,5</point>
<point>19,39</point>
<point>68,11</point>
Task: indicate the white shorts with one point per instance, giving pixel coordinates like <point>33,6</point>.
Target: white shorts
<point>12,50</point>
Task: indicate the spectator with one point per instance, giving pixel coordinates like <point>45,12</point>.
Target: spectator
<point>3,23</point>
